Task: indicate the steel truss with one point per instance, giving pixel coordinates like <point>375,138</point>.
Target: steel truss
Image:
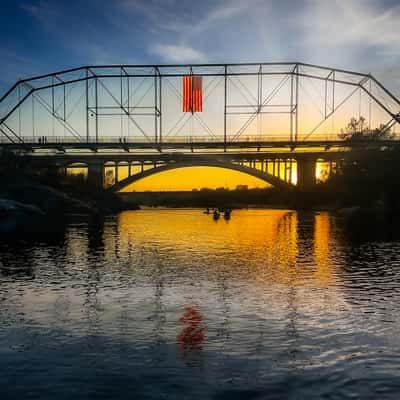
<point>160,77</point>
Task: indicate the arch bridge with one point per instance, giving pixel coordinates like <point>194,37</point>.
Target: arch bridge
<point>270,120</point>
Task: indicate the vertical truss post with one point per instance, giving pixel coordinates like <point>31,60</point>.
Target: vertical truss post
<point>333,100</point>
<point>64,105</point>
<point>121,134</point>
<point>160,112</point>
<point>296,132</point>
<point>128,90</point>
<point>33,116</point>
<point>96,109</point>
<point>259,100</point>
<point>120,87</point>
<point>52,105</point>
<point>259,87</point>
<point>52,96</point>
<point>155,107</point>
<point>291,106</point>
<point>325,94</point>
<point>225,94</point>
<point>370,104</point>
<point>87,105</point>
<point>333,91</point>
<point>19,111</point>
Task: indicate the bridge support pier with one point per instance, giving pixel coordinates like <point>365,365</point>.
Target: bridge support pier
<point>306,168</point>
<point>96,176</point>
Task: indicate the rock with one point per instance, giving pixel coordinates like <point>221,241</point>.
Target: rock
<point>18,217</point>
<point>49,200</point>
<point>9,207</point>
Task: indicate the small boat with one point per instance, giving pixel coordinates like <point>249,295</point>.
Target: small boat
<point>227,214</point>
<point>207,211</point>
<point>216,214</point>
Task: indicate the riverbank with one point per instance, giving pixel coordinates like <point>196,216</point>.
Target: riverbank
<point>30,205</point>
<point>207,198</point>
<point>318,199</point>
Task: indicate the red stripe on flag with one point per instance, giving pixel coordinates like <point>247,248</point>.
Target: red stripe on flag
<point>197,93</point>
<point>194,93</point>
<point>186,93</point>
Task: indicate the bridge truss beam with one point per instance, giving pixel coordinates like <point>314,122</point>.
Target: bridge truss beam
<point>121,83</point>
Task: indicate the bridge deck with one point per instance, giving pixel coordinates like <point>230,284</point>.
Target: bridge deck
<point>128,146</point>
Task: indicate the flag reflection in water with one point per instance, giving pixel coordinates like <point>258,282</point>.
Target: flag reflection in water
<point>192,335</point>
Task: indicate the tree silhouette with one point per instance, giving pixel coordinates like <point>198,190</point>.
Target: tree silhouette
<point>358,129</point>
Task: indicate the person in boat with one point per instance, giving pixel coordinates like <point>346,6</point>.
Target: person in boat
<point>216,214</point>
<point>227,213</point>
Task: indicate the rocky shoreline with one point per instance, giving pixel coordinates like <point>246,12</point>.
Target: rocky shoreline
<point>28,208</point>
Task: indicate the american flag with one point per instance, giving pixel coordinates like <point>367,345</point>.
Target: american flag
<point>192,93</point>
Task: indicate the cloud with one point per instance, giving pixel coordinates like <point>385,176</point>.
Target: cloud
<point>185,17</point>
<point>216,15</point>
<point>362,23</point>
<point>44,12</point>
<point>176,53</point>
<point>31,9</point>
<point>226,11</point>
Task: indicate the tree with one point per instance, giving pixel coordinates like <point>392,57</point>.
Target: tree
<point>358,129</point>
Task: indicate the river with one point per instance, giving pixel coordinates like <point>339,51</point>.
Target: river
<point>170,304</point>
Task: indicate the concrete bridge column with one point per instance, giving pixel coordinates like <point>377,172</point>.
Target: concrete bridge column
<point>96,175</point>
<point>116,173</point>
<point>306,173</point>
<point>290,180</point>
<point>285,170</point>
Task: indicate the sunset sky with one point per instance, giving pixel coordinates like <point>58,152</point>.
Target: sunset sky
<point>40,36</point>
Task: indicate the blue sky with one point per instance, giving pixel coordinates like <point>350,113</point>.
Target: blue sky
<point>40,36</point>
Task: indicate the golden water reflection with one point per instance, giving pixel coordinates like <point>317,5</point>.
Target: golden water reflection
<point>261,245</point>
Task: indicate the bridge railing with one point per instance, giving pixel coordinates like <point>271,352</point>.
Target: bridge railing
<point>43,140</point>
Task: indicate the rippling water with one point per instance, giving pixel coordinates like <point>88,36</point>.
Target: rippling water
<point>158,304</point>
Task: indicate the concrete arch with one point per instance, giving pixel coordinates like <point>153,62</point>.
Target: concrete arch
<point>76,165</point>
<point>264,176</point>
